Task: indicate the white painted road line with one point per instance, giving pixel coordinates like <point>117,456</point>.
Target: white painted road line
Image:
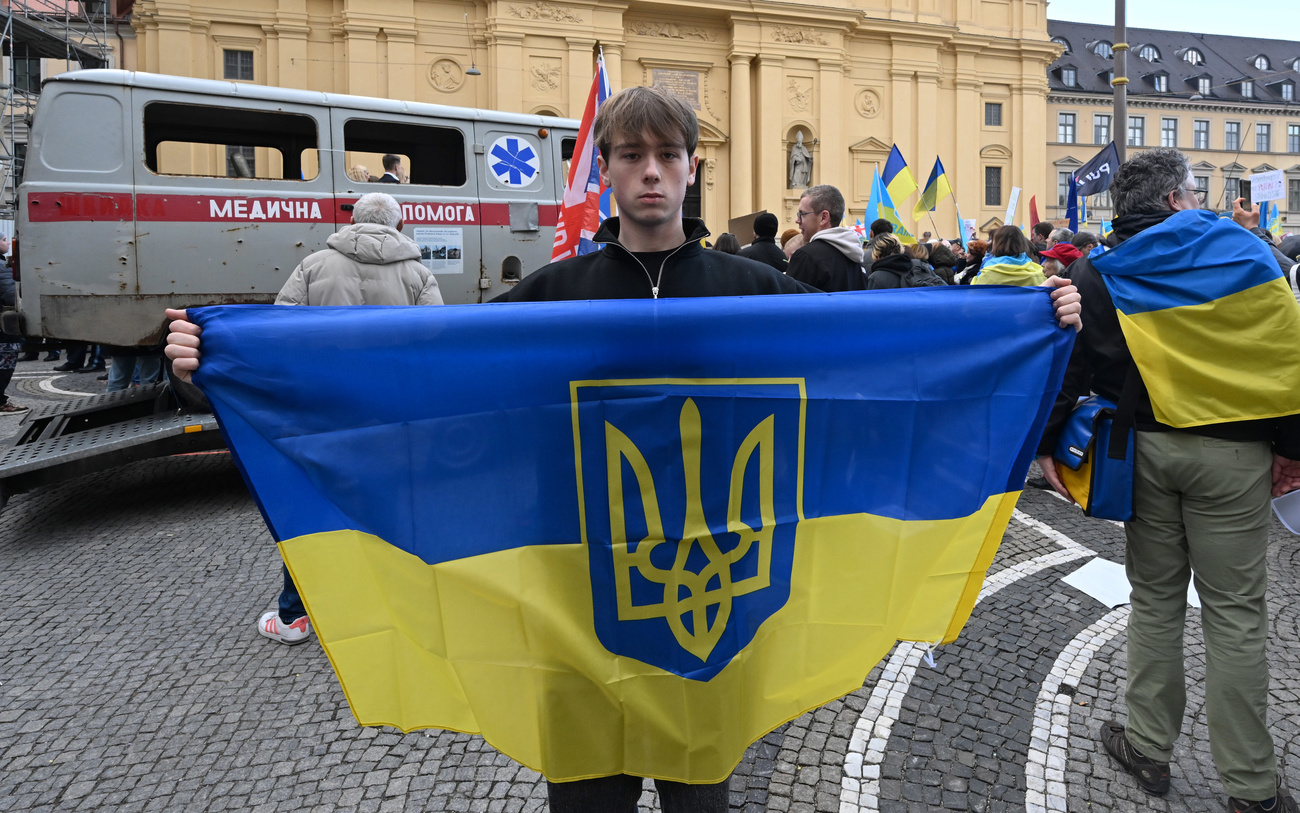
<point>860,787</point>
<point>1049,742</point>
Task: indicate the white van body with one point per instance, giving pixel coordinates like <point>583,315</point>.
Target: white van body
<point>125,207</point>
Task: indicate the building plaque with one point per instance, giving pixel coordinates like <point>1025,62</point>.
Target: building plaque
<point>685,85</point>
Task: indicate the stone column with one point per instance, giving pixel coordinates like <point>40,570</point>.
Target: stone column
<point>614,64</point>
<point>506,69</point>
<point>363,56</point>
<point>769,146</point>
<point>580,68</point>
<point>830,105</point>
<point>969,115</point>
<point>742,144</point>
<point>927,143</point>
<point>402,70</point>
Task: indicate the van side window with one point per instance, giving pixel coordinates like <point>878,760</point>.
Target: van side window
<point>192,139</point>
<point>431,156</point>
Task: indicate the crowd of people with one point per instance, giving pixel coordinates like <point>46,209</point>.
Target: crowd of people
<point>835,258</point>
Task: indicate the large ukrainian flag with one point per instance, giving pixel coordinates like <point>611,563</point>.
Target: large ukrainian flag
<point>633,536</point>
<point>1209,318</point>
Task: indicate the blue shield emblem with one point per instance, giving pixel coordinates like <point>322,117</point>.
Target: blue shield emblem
<point>690,492</point>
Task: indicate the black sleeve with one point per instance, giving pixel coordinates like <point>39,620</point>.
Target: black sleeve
<point>1079,374</point>
<point>1287,440</point>
<point>805,268</point>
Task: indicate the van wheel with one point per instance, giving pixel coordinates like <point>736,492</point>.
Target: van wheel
<point>190,396</point>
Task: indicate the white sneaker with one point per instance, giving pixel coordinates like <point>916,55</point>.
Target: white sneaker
<point>271,626</point>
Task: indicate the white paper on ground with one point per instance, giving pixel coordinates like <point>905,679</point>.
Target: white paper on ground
<point>1287,508</point>
<point>1107,582</point>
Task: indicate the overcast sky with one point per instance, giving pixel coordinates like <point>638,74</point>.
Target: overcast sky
<point>1271,19</point>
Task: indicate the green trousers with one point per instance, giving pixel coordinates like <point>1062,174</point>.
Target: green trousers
<point>1201,505</point>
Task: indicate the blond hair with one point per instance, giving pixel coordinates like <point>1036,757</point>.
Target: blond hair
<point>886,244</point>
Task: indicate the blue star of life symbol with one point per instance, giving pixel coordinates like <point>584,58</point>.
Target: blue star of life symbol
<point>515,162</point>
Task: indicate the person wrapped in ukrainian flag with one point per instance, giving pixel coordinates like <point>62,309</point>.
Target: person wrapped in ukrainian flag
<point>1190,332</point>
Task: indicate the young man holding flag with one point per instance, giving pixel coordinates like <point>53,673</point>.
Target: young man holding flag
<point>647,140</point>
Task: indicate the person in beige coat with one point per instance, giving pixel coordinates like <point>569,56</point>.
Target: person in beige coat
<point>368,262</point>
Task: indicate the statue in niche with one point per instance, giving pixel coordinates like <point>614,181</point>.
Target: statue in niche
<point>801,162</point>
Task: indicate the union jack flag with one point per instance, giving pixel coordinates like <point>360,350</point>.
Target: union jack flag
<point>581,208</point>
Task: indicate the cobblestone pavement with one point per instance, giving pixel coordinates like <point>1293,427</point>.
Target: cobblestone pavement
<point>132,678</point>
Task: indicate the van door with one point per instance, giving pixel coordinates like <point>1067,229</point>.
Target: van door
<point>75,213</point>
<point>438,193</point>
<point>520,190</point>
<point>230,195</point>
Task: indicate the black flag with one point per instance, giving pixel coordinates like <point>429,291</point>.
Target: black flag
<point>1096,175</point>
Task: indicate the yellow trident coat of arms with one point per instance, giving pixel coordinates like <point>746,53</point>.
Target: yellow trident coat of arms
<point>695,515</point>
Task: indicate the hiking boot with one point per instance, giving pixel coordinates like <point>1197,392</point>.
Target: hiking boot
<point>271,626</point>
<point>1284,802</point>
<point>1151,776</point>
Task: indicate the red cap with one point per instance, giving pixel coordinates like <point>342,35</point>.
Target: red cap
<point>1064,252</point>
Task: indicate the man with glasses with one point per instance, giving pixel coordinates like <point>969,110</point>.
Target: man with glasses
<point>1200,493</point>
<point>831,258</point>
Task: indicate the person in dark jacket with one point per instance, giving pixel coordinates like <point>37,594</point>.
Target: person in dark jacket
<point>9,350</point>
<point>920,254</point>
<point>764,248</point>
<point>943,261</point>
<point>831,257</point>
<point>889,265</point>
<point>392,170</point>
<point>1200,497</point>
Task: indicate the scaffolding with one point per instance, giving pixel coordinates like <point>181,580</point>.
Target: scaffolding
<point>75,33</point>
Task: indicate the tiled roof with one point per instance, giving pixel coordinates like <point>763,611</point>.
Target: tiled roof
<point>1227,61</point>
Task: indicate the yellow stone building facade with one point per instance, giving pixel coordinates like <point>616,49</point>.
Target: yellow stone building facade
<point>962,79</point>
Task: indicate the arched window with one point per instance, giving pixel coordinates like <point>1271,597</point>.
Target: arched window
<point>1102,49</point>
<point>1193,57</point>
<point>1150,53</point>
<point>1262,63</point>
<point>1063,42</point>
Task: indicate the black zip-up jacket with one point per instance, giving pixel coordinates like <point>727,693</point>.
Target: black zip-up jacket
<point>1099,364</point>
<point>614,273</point>
<point>765,250</point>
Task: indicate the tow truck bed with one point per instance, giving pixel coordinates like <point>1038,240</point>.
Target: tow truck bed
<point>65,440</point>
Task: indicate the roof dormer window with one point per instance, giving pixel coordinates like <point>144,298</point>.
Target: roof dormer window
<point>1261,63</point>
<point>1069,77</point>
<point>1192,56</point>
<point>1287,91</point>
<point>1101,48</point>
<point>1247,89</point>
<point>1150,53</point>
<point>1063,42</point>
<point>1203,85</point>
<point>1161,82</point>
